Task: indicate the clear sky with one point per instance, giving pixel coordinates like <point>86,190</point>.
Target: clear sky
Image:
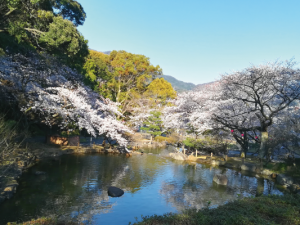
<point>195,40</point>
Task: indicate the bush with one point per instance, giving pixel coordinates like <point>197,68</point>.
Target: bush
<point>167,139</point>
<point>208,144</point>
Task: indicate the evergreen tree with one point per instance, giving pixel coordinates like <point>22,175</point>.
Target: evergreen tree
<point>153,124</point>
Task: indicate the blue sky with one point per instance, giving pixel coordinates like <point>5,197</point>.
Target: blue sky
<point>196,41</point>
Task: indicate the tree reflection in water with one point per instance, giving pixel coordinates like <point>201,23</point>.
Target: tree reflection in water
<point>75,188</point>
<point>194,188</point>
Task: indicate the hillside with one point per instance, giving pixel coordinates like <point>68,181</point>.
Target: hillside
<point>179,85</point>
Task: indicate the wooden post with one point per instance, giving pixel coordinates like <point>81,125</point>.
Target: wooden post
<point>196,153</point>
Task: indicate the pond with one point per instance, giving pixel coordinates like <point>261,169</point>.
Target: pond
<point>74,187</point>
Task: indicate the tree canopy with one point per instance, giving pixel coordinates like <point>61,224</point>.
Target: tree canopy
<point>160,89</point>
<point>121,76</point>
<point>46,25</point>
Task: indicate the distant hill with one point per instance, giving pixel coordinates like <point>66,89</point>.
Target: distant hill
<point>200,86</point>
<point>179,85</point>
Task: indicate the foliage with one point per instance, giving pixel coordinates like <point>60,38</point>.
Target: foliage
<point>260,210</point>
<point>160,89</point>
<point>153,124</point>
<point>53,94</point>
<point>167,139</point>
<point>46,25</point>
<point>39,221</point>
<point>65,41</point>
<point>121,76</point>
<point>11,138</point>
<point>248,104</point>
<point>42,221</point>
<point>192,130</point>
<point>208,144</point>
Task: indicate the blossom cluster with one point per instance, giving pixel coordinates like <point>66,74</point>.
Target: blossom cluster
<point>56,94</point>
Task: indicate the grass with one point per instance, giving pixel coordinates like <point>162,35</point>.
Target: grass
<point>44,221</point>
<point>40,221</point>
<point>260,210</point>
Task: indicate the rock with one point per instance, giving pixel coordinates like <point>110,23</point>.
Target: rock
<point>218,163</point>
<point>115,192</point>
<point>220,179</point>
<point>191,158</point>
<point>109,150</point>
<point>266,172</point>
<point>248,167</point>
<point>178,156</point>
<point>10,188</point>
<point>39,172</point>
<point>283,179</point>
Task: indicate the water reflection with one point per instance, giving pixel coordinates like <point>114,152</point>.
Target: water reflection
<point>193,187</point>
<point>75,188</point>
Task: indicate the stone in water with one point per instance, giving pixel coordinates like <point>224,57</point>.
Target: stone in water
<point>115,192</point>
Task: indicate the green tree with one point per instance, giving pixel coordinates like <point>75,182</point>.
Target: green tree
<point>160,89</point>
<point>192,130</point>
<point>121,76</point>
<point>153,124</point>
<point>46,25</point>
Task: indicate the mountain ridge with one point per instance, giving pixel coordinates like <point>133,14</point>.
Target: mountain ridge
<point>181,86</point>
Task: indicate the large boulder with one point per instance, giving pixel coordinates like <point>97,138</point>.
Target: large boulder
<point>283,179</point>
<point>220,179</point>
<point>115,192</point>
<point>178,156</point>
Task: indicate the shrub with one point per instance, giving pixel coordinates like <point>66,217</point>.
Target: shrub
<point>167,139</point>
<point>208,144</point>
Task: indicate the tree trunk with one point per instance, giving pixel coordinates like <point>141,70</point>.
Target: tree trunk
<point>263,144</point>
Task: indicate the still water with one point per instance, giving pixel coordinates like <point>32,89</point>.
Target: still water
<point>74,188</point>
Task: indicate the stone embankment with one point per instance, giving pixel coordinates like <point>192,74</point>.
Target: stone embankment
<point>237,163</point>
<point>12,172</point>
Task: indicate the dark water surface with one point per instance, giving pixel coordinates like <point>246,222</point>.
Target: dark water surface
<point>75,188</point>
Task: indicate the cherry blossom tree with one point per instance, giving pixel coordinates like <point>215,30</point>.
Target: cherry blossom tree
<point>56,95</point>
<point>245,102</point>
<point>193,108</point>
<point>253,97</point>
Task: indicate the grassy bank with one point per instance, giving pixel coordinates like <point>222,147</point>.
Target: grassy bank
<point>260,210</point>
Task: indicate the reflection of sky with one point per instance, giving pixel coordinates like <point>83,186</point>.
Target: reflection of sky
<point>76,187</point>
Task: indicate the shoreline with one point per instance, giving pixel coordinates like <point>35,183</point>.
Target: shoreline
<point>34,152</point>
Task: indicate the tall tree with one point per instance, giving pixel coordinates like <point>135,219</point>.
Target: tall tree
<point>47,25</point>
<point>123,76</point>
<point>257,95</point>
